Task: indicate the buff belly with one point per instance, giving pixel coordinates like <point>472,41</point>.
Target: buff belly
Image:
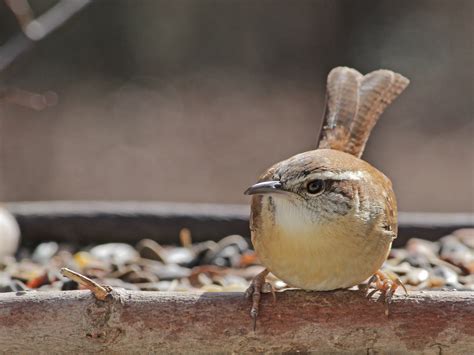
<point>320,256</point>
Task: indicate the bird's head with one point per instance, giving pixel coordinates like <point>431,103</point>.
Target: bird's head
<point>320,184</point>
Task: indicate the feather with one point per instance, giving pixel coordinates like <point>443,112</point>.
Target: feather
<point>354,103</point>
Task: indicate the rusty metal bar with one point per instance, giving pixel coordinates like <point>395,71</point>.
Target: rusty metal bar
<point>98,222</point>
<point>151,322</point>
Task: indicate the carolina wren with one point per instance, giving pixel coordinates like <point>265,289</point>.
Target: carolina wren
<point>325,219</point>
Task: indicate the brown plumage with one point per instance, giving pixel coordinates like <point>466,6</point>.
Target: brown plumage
<point>325,219</point>
<point>354,103</point>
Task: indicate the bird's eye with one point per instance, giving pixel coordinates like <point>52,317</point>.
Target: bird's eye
<point>316,186</point>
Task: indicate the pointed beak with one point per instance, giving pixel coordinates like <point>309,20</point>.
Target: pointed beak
<point>264,188</point>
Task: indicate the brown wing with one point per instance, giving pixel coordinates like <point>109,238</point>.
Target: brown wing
<point>390,224</point>
<point>354,104</point>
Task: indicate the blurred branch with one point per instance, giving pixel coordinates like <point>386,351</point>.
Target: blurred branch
<point>13,48</point>
<point>35,29</point>
<point>40,27</point>
<point>22,10</point>
<point>28,99</point>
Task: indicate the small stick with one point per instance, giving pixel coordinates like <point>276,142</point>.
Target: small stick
<point>100,292</point>
<point>185,237</point>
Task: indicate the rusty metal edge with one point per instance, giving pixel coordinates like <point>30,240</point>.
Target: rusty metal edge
<point>92,222</point>
<point>164,322</point>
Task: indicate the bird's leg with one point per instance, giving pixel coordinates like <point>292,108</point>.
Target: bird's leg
<point>387,287</point>
<point>255,290</point>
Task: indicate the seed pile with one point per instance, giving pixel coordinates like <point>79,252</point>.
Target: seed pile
<point>227,265</point>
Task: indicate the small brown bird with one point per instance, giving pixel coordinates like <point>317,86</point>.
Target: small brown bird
<point>325,219</point>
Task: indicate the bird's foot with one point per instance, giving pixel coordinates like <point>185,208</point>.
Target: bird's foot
<point>255,290</point>
<point>387,287</point>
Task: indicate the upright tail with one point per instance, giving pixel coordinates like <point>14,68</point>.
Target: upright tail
<point>354,103</point>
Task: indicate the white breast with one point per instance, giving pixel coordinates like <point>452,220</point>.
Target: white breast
<point>317,253</point>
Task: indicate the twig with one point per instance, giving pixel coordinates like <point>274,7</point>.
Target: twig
<point>100,292</point>
<point>185,237</point>
<point>22,11</point>
<point>46,23</point>
<point>28,99</point>
<point>35,29</point>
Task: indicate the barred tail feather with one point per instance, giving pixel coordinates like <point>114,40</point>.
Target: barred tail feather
<point>354,103</point>
<point>342,102</point>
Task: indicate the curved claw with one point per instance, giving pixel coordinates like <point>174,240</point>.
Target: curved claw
<point>400,283</point>
<point>268,288</point>
<point>387,287</point>
<point>254,315</point>
<point>255,290</point>
<point>371,293</point>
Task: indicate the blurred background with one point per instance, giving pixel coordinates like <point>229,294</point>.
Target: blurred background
<point>183,100</point>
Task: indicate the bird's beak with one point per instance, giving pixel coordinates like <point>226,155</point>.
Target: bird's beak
<point>264,188</point>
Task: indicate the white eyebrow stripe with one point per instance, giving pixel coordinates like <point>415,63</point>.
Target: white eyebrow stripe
<point>346,175</point>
